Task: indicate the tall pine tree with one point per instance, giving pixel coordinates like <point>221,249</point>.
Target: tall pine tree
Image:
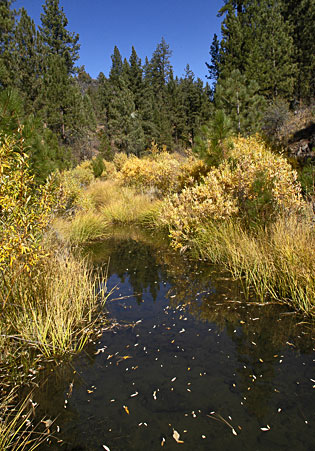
<point>56,38</point>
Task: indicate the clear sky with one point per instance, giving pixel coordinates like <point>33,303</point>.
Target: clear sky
<point>187,26</point>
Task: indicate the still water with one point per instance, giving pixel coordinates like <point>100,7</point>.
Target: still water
<point>188,364</point>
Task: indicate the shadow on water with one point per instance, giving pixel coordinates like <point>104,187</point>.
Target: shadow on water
<point>187,354</point>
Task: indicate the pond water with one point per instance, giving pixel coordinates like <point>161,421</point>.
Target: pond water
<point>187,360</point>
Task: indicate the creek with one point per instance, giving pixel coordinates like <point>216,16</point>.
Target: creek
<point>186,359</point>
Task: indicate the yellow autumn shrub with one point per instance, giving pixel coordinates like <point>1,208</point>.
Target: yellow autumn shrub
<point>151,173</point>
<point>25,209</point>
<point>251,183</point>
<point>119,160</point>
<point>162,172</point>
<point>72,184</point>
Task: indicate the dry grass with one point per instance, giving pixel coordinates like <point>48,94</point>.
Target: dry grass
<point>17,433</point>
<point>113,204</point>
<point>85,227</point>
<point>278,262</point>
<point>53,311</point>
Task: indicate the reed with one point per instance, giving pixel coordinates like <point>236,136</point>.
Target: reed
<point>17,431</point>
<point>85,227</point>
<point>278,262</point>
<point>54,309</point>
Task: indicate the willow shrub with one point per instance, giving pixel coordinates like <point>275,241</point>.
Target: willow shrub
<point>251,183</point>
<point>25,211</point>
<point>161,173</point>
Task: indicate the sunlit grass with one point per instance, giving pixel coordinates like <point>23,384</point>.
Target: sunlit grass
<point>17,433</point>
<point>278,262</point>
<point>85,227</point>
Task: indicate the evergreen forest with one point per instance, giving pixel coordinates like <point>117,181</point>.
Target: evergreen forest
<point>262,65</point>
<point>167,174</point>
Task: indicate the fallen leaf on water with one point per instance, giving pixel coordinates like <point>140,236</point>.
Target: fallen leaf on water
<point>134,394</point>
<point>176,436</point>
<point>47,423</point>
<point>162,441</point>
<point>234,431</point>
<point>267,428</point>
<point>154,395</point>
<point>106,448</point>
<point>174,379</point>
<point>126,409</point>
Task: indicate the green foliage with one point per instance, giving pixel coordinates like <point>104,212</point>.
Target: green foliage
<point>6,43</point>
<point>57,40</point>
<point>210,143</point>
<point>40,143</point>
<point>240,101</point>
<point>98,166</point>
<point>270,42</point>
<point>307,179</point>
<point>250,183</point>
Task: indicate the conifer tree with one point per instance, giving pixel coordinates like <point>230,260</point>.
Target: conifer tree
<point>27,61</point>
<point>240,101</point>
<point>116,69</point>
<point>160,67</point>
<point>301,17</point>
<point>270,59</point>
<point>135,77</point>
<point>214,66</point>
<point>56,38</point>
<point>7,17</point>
<point>235,41</point>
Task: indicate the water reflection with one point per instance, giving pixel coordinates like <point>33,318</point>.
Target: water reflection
<point>189,345</point>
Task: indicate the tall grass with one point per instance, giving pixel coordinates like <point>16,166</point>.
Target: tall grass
<point>278,261</point>
<point>113,204</point>
<point>17,433</point>
<point>85,227</point>
<point>54,311</point>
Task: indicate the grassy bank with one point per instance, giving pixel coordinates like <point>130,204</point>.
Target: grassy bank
<point>246,212</point>
<point>275,263</point>
<point>49,296</point>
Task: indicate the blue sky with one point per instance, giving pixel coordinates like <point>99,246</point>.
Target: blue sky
<point>187,26</point>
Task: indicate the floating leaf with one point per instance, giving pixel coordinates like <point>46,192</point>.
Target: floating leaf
<point>234,431</point>
<point>162,441</point>
<point>47,423</point>
<point>134,394</point>
<point>106,448</point>
<point>267,428</point>
<point>126,409</point>
<point>176,436</point>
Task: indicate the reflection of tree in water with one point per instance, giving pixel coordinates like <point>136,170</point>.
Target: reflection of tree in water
<point>143,271</point>
<point>260,333</point>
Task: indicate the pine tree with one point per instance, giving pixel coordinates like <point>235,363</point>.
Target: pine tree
<point>56,38</point>
<point>124,128</point>
<point>301,17</point>
<point>116,70</point>
<point>214,67</point>
<point>270,60</point>
<point>27,61</point>
<point>235,41</point>
<point>7,18</point>
<point>160,67</point>
<point>240,101</point>
<point>135,77</point>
